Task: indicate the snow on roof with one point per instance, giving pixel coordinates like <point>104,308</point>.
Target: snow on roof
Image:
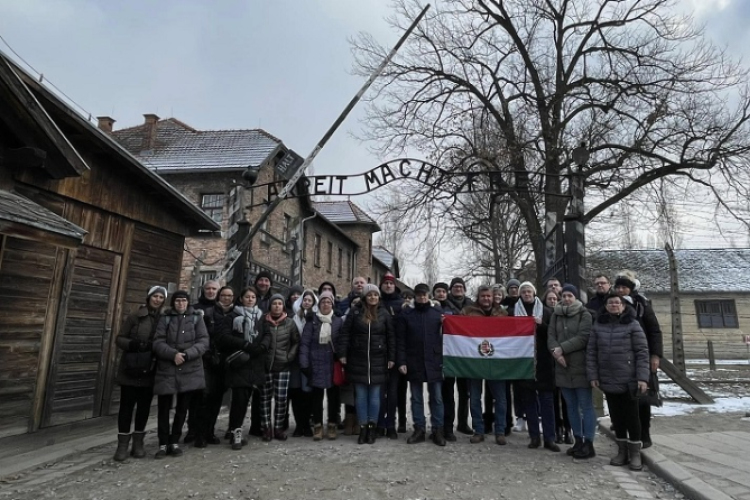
<point>708,270</point>
<point>343,212</point>
<point>383,256</point>
<point>180,147</point>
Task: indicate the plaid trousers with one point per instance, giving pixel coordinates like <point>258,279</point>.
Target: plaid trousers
<point>276,387</point>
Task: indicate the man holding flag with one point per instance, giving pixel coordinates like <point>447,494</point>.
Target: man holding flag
<point>483,345</point>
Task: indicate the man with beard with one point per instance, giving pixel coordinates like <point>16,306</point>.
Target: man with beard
<point>263,284</point>
<point>457,301</point>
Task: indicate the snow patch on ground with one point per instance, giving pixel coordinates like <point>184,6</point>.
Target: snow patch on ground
<point>722,405</point>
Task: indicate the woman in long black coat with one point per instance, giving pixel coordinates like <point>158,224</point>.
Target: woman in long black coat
<point>367,348</point>
<point>245,359</point>
<point>136,383</point>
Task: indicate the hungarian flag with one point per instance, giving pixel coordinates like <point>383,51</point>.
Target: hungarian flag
<point>489,348</point>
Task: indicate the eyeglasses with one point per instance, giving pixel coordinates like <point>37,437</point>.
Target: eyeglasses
<point>226,296</point>
<point>601,283</point>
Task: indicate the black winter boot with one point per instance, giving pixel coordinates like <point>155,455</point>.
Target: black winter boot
<point>586,451</point>
<point>138,451</point>
<point>121,453</point>
<point>372,433</point>
<point>622,453</point>
<point>417,436</point>
<point>438,438</point>
<point>363,434</point>
<point>634,450</point>
<point>575,447</point>
<point>646,437</point>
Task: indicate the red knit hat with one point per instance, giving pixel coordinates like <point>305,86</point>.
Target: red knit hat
<point>388,277</point>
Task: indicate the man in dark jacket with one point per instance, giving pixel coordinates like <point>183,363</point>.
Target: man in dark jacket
<point>625,287</point>
<point>601,292</point>
<point>358,284</point>
<point>457,301</point>
<point>440,294</point>
<point>263,283</point>
<point>393,396</point>
<point>419,358</point>
<point>509,302</point>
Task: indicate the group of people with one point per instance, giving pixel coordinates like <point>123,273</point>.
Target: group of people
<point>309,348</point>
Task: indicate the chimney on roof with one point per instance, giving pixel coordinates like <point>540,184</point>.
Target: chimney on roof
<point>149,131</point>
<point>105,123</point>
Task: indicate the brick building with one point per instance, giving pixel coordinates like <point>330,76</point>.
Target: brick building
<point>303,241</point>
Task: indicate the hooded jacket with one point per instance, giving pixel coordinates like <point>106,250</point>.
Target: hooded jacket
<point>617,352</point>
<point>175,333</point>
<point>367,346</point>
<point>569,329</point>
<point>137,326</point>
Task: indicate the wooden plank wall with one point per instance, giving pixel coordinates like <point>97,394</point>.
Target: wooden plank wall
<point>26,275</point>
<point>155,258</point>
<point>75,385</point>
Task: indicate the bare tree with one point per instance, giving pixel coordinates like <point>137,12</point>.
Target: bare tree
<point>518,83</point>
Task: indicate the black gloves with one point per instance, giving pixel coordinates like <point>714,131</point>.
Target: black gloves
<point>134,346</point>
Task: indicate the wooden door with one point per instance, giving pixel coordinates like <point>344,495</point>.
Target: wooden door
<point>79,361</point>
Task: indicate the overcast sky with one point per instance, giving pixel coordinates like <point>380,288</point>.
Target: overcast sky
<point>281,65</point>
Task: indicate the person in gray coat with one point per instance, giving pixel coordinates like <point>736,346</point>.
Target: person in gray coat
<point>567,337</point>
<point>179,344</point>
<point>617,361</point>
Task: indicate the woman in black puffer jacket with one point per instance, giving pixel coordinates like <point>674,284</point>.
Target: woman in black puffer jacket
<point>617,362</point>
<point>367,347</point>
<point>136,382</point>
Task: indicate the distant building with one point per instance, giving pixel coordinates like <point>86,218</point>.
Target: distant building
<point>714,295</point>
<point>302,242</point>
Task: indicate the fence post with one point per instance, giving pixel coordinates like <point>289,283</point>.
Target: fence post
<point>711,356</point>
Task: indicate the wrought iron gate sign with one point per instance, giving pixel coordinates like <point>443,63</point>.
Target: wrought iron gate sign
<point>402,169</point>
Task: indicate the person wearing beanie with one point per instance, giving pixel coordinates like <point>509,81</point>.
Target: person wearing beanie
<point>180,341</point>
<point>304,307</point>
<point>567,287</point>
<point>393,400</point>
<point>135,373</point>
<point>330,287</point>
<point>316,357</point>
<point>419,357</point>
<point>264,283</point>
<point>617,363</point>
<point>456,302</point>
<point>513,293</point>
<point>535,398</point>
<point>567,338</point>
<point>367,349</point>
<point>440,294</point>
<point>280,340</point>
<point>626,285</point>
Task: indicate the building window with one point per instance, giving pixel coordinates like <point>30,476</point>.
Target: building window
<point>369,251</point>
<point>349,270</point>
<point>716,314</point>
<point>287,234</point>
<point>213,205</point>
<point>264,232</point>
<point>317,241</point>
<point>329,257</point>
<point>207,276</point>
<point>340,262</point>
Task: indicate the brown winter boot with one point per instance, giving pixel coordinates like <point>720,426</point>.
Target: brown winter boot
<point>121,453</point>
<point>332,431</point>
<point>622,453</point>
<point>318,432</point>
<point>348,424</point>
<point>634,450</point>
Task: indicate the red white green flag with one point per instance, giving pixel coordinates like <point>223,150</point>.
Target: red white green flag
<point>489,348</point>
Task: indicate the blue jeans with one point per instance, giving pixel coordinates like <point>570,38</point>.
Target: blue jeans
<point>367,401</point>
<point>498,390</point>
<point>435,390</point>
<point>545,408</point>
<point>581,413</point>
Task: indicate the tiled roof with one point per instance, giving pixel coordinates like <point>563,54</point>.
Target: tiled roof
<point>711,270</point>
<point>383,256</point>
<point>179,147</point>
<point>343,212</point>
<point>20,210</point>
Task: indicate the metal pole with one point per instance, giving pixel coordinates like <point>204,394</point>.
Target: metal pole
<point>301,170</point>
